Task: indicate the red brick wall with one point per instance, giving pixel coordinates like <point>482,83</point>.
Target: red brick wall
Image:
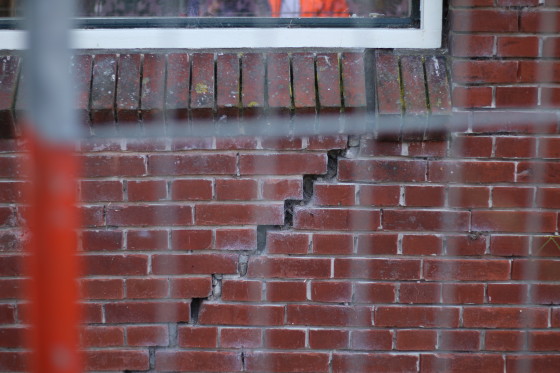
<point>319,254</point>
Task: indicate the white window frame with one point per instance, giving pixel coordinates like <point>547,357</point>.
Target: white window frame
<point>428,35</point>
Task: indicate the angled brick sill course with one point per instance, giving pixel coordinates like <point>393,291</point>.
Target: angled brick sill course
<point>117,87</point>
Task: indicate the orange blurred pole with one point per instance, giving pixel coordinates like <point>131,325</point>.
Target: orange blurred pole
<point>52,264</point>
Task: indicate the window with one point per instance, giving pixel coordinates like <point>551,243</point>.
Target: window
<point>197,24</point>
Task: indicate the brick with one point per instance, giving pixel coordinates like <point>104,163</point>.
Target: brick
<point>241,291</point>
<point>192,164</point>
<point>12,337</point>
<point>102,240</point>
<point>149,215</point>
<point>11,167</point>
<point>194,264</point>
<point>104,90</point>
<point>197,337</point>
<point>328,315</point>
<point>8,217</point>
<point>392,316</point>
<point>542,172</point>
<point>353,78</point>
<point>535,270</point>
<point>425,220</point>
<point>543,21</point>
<point>253,90</point>
<point>97,191</point>
<point>502,317</point>
<point>516,97</point>
<point>236,189</point>
<point>551,47</point>
<point>105,336</point>
<point>116,360</point>
<point>328,82</point>
<point>334,194</point>
<point>468,45</point>
<point>550,97</point>
<point>108,166</point>
<point>191,189</point>
<point>543,341</point>
<point>434,148</point>
<point>484,20</point>
<point>233,214</point>
<point>416,340</point>
<point>9,69</point>
<point>545,294</point>
<point>7,313</point>
<point>512,197</point>
<point>272,267</point>
<point>413,82</point>
<point>11,288</point>
<point>191,287</point>
<point>548,148</point>
<point>146,240</point>
<point>287,362</point>
<point>240,338</point>
<point>237,314</point>
<point>545,246</point>
<point>374,147</point>
<point>202,85</point>
<point>236,239</point>
<point>282,143</point>
<point>146,190</point>
<point>455,363</point>
<point>424,196</point>
<point>373,362</point>
<point>334,244</point>
<point>465,245</point>
<point>328,339</point>
<point>388,84</point>
<point>234,143</point>
<point>282,164</point>
<point>101,289</point>
<point>371,340</point>
<point>196,239</point>
<point>466,270</point>
<point>377,269</point>
<point>438,85</point>
<point>128,88</point>
<point>284,291</point>
<point>374,292</point>
<point>336,219</point>
<point>290,339</point>
<point>303,71</point>
<point>149,335</point>
<point>278,83</point>
<point>471,147</point>
<point>417,293</point>
<point>548,198</point>
<point>540,363</point>
<point>472,97</point>
<point>509,245</point>
<point>177,86</point>
<point>515,46</point>
<point>459,340</point>
<point>146,288</point>
<point>147,312</point>
<point>198,361</point>
<point>515,147</point>
<point>539,71</point>
<point>518,2</point>
<point>504,340</point>
<point>486,72</point>
<point>11,266</point>
<point>11,192</point>
<point>463,293</point>
<point>115,265</point>
<point>513,221</point>
<point>471,172</point>
<point>331,291</point>
<point>376,244</point>
<point>422,244</point>
<point>279,242</point>
<point>513,122</point>
<point>468,197</point>
<point>382,170</point>
<point>228,85</point>
<point>80,69</point>
<point>92,313</point>
<point>379,195</point>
